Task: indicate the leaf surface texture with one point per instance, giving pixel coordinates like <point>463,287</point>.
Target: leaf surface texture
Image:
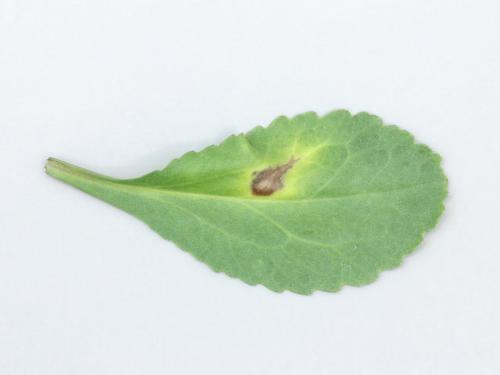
<point>355,198</point>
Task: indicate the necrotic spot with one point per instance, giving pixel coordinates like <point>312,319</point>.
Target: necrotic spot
<point>269,180</point>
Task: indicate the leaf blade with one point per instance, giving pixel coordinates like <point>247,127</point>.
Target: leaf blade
<point>360,197</point>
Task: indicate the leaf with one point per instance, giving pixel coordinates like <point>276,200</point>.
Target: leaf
<point>308,203</point>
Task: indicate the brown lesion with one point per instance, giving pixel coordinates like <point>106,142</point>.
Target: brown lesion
<point>270,180</point>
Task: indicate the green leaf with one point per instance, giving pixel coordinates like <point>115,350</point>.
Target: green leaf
<point>308,203</point>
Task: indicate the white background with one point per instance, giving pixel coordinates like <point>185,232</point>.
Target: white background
<point>122,87</point>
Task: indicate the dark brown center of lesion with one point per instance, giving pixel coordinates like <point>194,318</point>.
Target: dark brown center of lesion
<point>270,180</point>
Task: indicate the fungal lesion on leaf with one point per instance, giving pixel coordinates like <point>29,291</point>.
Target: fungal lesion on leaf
<point>270,180</point>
